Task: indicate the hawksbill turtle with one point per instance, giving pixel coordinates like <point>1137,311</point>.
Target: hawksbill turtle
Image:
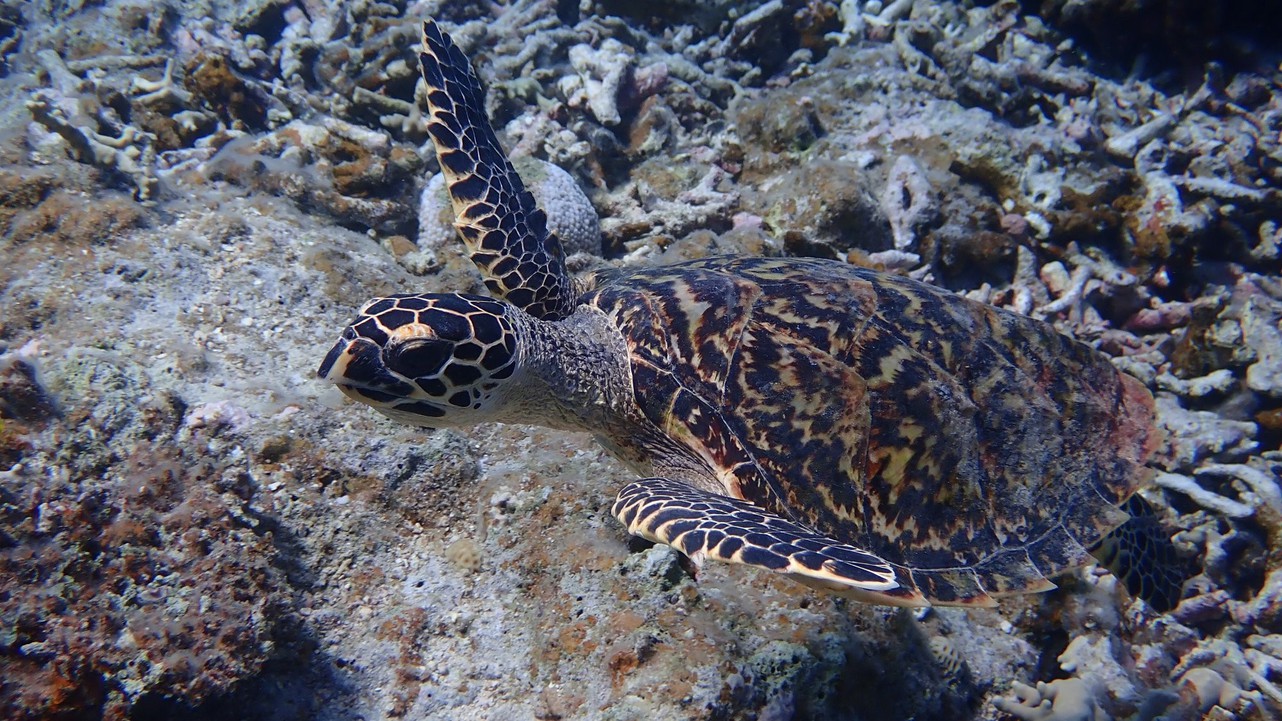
<point>864,433</point>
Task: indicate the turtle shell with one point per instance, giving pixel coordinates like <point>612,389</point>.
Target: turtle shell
<point>978,450</point>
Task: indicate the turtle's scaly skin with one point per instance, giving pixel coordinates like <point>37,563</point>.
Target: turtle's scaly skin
<point>862,432</point>
<point>1141,554</point>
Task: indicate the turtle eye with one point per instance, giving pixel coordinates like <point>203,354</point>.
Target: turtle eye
<point>418,357</point>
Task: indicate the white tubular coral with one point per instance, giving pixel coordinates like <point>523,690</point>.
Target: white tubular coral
<point>1264,487</point>
<point>906,201</point>
<point>133,153</point>
<point>1062,700</point>
<point>1206,499</point>
<point>600,73</point>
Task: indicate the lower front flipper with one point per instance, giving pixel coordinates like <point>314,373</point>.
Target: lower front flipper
<point>705,525</point>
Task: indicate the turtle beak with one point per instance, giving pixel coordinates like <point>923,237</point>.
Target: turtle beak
<point>331,369</point>
<point>356,367</point>
<point>344,355</point>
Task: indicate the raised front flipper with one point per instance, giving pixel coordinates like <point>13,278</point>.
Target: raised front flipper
<point>705,525</point>
<point>505,232</point>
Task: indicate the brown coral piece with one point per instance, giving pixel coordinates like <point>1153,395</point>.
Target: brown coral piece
<point>211,79</point>
<point>74,218</point>
<point>21,190</point>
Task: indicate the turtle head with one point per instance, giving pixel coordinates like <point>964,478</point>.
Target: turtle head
<point>430,360</point>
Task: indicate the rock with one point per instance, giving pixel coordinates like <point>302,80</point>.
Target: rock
<point>1194,436</point>
<point>830,208</point>
<point>1257,304</point>
<point>570,214</point>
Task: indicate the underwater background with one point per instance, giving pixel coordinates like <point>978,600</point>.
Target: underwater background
<point>195,196</point>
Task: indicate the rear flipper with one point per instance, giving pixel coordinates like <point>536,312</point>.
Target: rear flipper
<point>705,525</point>
<point>1141,554</point>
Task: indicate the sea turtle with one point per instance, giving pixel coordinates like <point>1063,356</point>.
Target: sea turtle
<point>862,432</point>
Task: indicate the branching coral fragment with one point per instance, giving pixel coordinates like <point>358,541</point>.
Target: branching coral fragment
<point>132,153</point>
<point>1127,144</point>
<point>161,92</point>
<point>1263,487</point>
<point>1206,499</point>
<point>1062,700</point>
<point>1087,268</point>
<point>906,201</point>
